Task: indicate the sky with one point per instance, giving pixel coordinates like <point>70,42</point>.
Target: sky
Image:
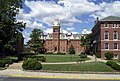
<point>74,15</point>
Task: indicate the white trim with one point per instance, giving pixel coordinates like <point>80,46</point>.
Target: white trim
<point>113,36</point>
<point>110,50</point>
<point>104,35</point>
<point>116,25</point>
<point>117,46</point>
<point>105,46</point>
<point>105,24</point>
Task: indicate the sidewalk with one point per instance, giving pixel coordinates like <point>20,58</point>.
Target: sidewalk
<point>21,73</point>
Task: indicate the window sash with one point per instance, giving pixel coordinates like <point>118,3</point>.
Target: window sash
<point>115,45</point>
<point>106,46</point>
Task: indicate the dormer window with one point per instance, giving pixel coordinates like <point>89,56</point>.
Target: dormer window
<point>106,25</point>
<point>115,25</point>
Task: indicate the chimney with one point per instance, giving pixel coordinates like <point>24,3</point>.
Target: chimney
<point>97,19</point>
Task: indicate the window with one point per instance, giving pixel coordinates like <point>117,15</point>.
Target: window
<point>115,45</point>
<point>106,46</point>
<point>115,56</point>
<point>106,35</point>
<point>115,25</point>
<point>115,35</point>
<point>106,25</point>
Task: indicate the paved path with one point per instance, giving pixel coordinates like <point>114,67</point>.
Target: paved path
<point>19,65</point>
<point>21,73</point>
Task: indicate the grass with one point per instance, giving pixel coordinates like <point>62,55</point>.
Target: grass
<point>62,58</point>
<point>91,67</point>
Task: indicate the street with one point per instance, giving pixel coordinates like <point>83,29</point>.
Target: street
<point>8,78</point>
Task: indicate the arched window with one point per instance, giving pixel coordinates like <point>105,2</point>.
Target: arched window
<point>106,35</point>
<point>115,35</point>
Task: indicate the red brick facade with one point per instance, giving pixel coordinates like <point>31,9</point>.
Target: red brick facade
<point>106,33</point>
<point>60,42</point>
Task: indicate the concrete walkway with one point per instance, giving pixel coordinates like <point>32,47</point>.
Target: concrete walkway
<point>16,71</point>
<point>21,73</point>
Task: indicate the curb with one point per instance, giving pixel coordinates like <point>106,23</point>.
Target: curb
<point>65,77</point>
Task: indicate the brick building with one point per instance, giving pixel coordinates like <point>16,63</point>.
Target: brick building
<point>61,42</point>
<point>106,36</point>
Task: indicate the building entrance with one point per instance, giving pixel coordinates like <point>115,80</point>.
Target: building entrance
<point>55,49</point>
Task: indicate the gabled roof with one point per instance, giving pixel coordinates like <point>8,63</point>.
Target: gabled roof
<point>110,18</point>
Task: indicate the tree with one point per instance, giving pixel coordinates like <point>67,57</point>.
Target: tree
<point>71,50</point>
<point>86,42</point>
<point>36,43</point>
<point>109,55</point>
<point>9,26</point>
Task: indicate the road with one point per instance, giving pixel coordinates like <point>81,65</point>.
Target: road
<point>8,78</point>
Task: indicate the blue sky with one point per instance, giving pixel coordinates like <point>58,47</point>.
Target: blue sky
<point>74,15</point>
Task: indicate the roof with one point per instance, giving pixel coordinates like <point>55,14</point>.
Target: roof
<point>110,18</point>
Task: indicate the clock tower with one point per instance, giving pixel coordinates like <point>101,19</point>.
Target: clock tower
<point>56,36</point>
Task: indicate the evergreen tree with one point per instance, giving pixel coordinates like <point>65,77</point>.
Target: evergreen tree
<point>71,50</point>
<point>36,43</point>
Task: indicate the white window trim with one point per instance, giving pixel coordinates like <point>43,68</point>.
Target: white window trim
<point>117,47</point>
<point>115,26</point>
<point>117,36</point>
<point>104,36</point>
<point>107,25</point>
<point>108,46</point>
<point>114,56</point>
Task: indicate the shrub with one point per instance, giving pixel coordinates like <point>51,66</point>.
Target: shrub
<point>83,56</point>
<point>110,63</point>
<point>113,65</point>
<point>38,58</point>
<point>3,62</point>
<point>14,59</point>
<point>83,53</point>
<point>59,53</point>
<point>31,64</point>
<point>49,53</point>
<point>98,55</point>
<point>109,55</point>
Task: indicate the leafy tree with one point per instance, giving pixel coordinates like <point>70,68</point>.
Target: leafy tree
<point>36,43</point>
<point>71,50</point>
<point>86,42</point>
<point>9,26</point>
<point>109,55</point>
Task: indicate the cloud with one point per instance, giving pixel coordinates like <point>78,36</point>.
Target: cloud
<point>47,11</point>
<point>85,31</point>
<point>70,28</point>
<point>107,9</point>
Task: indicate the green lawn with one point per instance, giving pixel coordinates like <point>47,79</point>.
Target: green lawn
<point>62,58</point>
<point>92,67</point>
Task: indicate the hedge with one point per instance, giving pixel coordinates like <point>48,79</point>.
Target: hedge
<point>3,62</point>
<point>31,64</point>
<point>113,65</point>
<point>38,58</point>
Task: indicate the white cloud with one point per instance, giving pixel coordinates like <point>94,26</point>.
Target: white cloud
<point>49,10</point>
<point>85,31</point>
<point>108,9</point>
<point>70,28</point>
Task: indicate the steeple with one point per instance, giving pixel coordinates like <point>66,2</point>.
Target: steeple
<point>56,22</point>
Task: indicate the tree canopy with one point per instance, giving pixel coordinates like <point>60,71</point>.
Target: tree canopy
<point>86,42</point>
<point>36,43</point>
<point>71,50</point>
<point>10,28</point>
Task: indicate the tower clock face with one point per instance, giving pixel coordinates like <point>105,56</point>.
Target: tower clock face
<point>55,30</point>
